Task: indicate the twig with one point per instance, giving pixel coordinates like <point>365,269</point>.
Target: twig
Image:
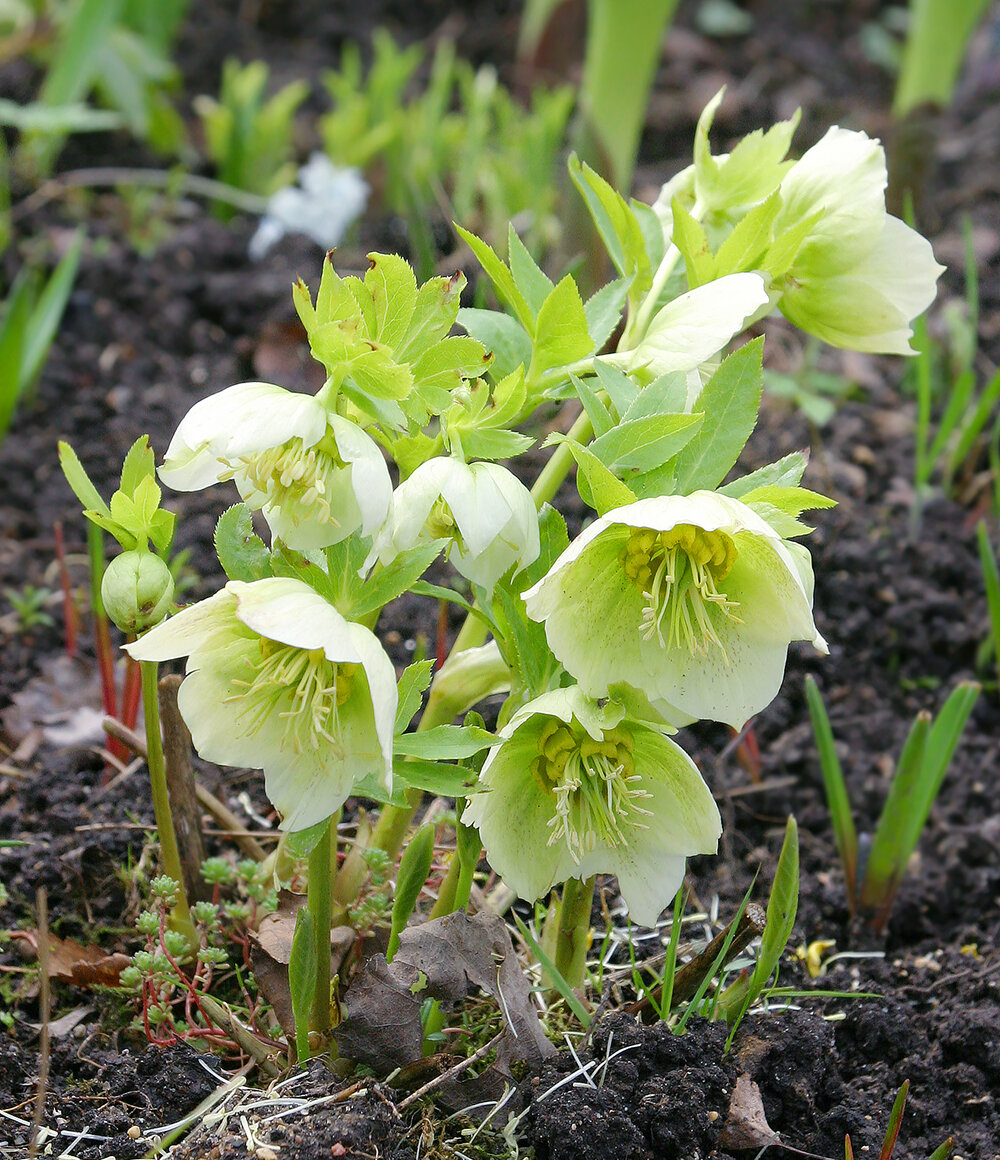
<point>452,1072</point>
<point>158,178</point>
<point>750,926</point>
<point>221,813</point>
<point>220,1014</point>
<point>45,1011</point>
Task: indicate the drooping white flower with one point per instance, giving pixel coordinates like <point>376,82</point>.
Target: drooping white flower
<point>487,515</point>
<point>576,789</point>
<point>278,680</point>
<point>861,276</point>
<point>315,476</point>
<point>695,327</point>
<point>691,599</point>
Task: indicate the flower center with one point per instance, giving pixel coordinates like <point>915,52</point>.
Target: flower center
<point>300,686</point>
<point>441,524</point>
<point>678,573</point>
<point>293,477</point>
<point>594,783</point>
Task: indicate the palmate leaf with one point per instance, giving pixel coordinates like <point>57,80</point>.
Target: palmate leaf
<point>242,553</point>
<point>561,333</point>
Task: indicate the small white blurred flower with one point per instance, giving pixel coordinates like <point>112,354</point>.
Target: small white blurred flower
<point>322,206</point>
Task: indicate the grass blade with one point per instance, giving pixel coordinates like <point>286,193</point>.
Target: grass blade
<point>944,1150</point>
<point>991,580</point>
<point>717,964</point>
<point>13,335</point>
<point>835,787</point>
<point>670,967</point>
<point>555,978</point>
<point>47,315</point>
<point>895,1119</point>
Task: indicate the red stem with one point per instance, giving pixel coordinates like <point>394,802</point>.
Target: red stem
<point>71,617</point>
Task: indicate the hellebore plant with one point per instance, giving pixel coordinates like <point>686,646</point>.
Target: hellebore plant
<point>678,602</point>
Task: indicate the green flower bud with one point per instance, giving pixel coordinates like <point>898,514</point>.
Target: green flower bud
<point>137,590</point>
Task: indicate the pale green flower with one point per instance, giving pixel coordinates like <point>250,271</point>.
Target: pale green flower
<point>278,680</point>
<point>693,600</point>
<point>576,789</point>
<point>315,476</point>
<point>487,516</point>
<point>861,276</point>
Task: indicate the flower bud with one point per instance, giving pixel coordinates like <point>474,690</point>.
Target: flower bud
<point>137,590</point>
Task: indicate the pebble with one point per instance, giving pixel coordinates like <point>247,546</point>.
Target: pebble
<point>265,1153</point>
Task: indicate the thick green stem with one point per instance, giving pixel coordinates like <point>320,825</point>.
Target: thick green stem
<point>448,894</point>
<point>161,797</point>
<point>574,929</point>
<point>320,861</point>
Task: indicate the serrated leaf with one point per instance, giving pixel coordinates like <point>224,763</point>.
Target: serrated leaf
<point>791,500</point>
<point>434,777</point>
<point>666,395</point>
<point>286,562</point>
<point>301,843</point>
<point>651,229</point>
<point>622,390</point>
<point>506,401</point>
<point>139,464</point>
<point>379,376</point>
<point>80,481</point>
<point>534,284</point>
<point>393,288</point>
<point>731,400</point>
<point>599,488</point>
<point>394,578</point>
<point>161,530</point>
<point>445,742</point>
<point>561,334</point>
<point>746,246</point>
<point>410,691</point>
<point>642,444</point>
<point>600,420</point>
<point>616,223</point>
<point>503,336</point>
<point>489,443</point>
<point>242,553</point>
<point>784,472</point>
<point>691,240</point>
<point>434,314</point>
<point>501,277</point>
<point>604,309</point>
<point>450,360</point>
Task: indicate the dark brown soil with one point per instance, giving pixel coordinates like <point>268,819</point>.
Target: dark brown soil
<point>903,611</point>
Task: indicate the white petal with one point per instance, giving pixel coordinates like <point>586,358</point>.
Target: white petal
<point>695,326</point>
<point>188,630</point>
<point>238,421</point>
<point>369,475</point>
<point>289,611</point>
<point>384,694</point>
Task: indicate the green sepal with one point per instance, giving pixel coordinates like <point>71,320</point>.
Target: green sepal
<point>242,553</point>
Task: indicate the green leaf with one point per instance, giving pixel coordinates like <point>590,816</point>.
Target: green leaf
<point>444,742</point>
<point>534,284</point>
<point>393,288</point>
<point>434,777</point>
<point>13,337</point>
<point>492,444</point>
<point>616,223</point>
<point>47,314</point>
<point>604,310</point>
<point>410,690</point>
<point>508,341</point>
<point>79,480</point>
<point>781,910</point>
<point>287,562</point>
<point>784,472</point>
<point>139,464</point>
<point>600,420</point>
<point>781,506</point>
<point>434,314</point>
<point>745,247</point>
<point>835,788</point>
<point>783,250</point>
<point>394,578</point>
<point>599,488</point>
<point>691,240</point>
<point>301,843</point>
<point>646,443</point>
<point>731,402</point>
<point>501,277</point>
<point>242,553</point>
<point>621,390</point>
<point>301,974</point>
<point>561,334</point>
<point>414,866</point>
<point>666,395</point>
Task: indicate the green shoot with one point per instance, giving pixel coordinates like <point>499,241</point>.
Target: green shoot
<point>923,763</point>
<point>939,32</point>
<point>717,966</point>
<point>895,1120</point>
<point>414,867</point>
<point>991,580</point>
<point>670,967</point>
<point>555,978</point>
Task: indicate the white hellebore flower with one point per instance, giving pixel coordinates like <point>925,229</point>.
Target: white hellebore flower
<point>316,477</point>
<point>861,276</point>
<point>691,599</point>
<point>278,680</point>
<point>695,327</point>
<point>575,789</point>
<point>486,513</point>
